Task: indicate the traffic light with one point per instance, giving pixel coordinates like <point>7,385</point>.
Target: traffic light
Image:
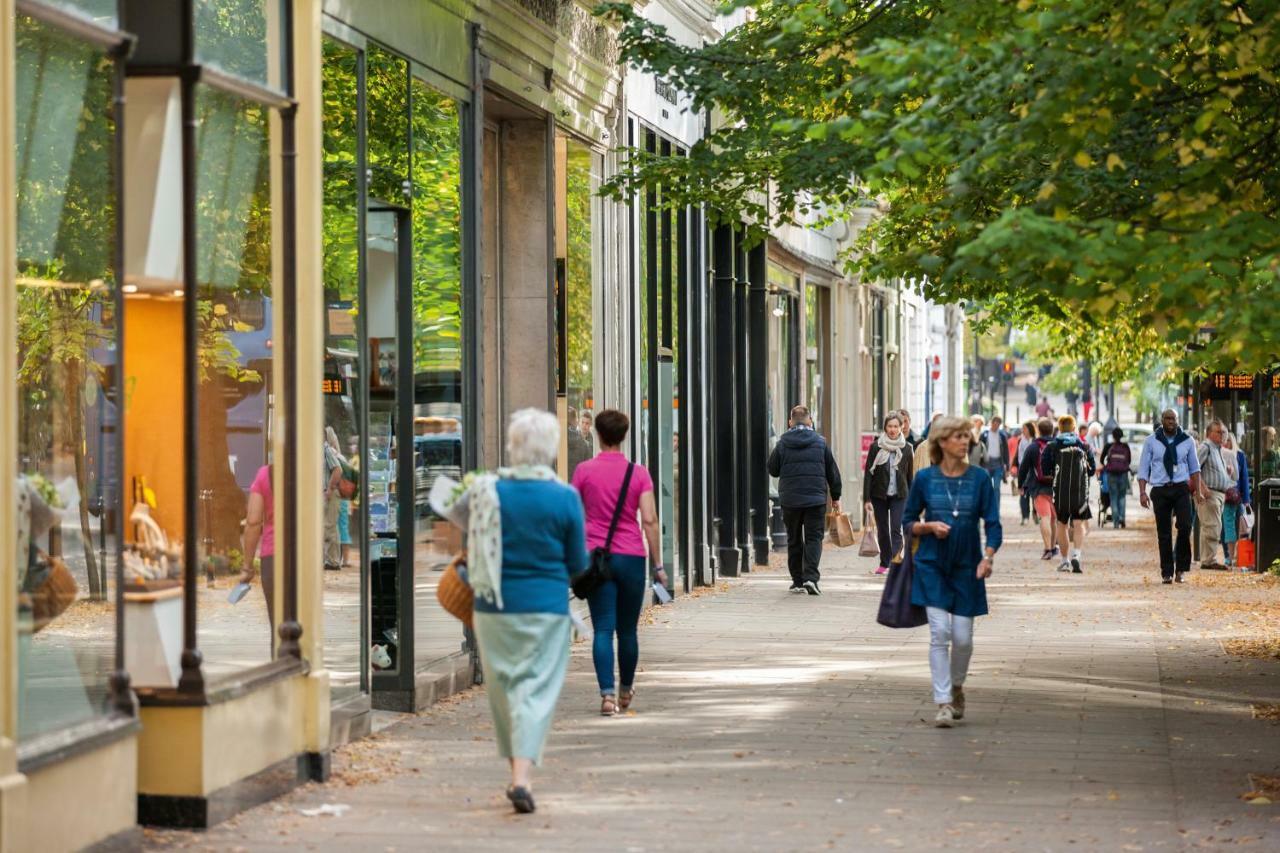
<point>1007,372</point>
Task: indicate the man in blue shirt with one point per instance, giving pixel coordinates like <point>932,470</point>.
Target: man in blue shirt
<point>1170,465</point>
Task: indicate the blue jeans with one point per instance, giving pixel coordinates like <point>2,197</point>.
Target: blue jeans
<point>996,472</point>
<point>1117,488</point>
<point>615,608</point>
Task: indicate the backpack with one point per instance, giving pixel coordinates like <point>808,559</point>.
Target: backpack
<point>1071,480</point>
<point>1041,477</point>
<point>1118,459</point>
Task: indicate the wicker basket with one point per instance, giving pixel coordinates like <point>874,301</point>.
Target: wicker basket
<point>453,592</point>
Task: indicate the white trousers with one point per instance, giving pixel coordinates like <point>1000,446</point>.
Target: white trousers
<point>950,648</point>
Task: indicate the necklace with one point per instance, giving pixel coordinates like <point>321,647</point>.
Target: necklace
<point>955,504</point>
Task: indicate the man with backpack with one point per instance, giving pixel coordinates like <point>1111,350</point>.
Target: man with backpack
<point>1037,484</point>
<point>1072,463</point>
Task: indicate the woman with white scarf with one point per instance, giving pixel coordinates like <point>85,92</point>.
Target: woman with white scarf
<point>886,479</point>
<point>525,541</point>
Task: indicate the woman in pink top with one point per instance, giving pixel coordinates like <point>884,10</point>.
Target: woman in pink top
<point>259,528</point>
<point>616,605</point>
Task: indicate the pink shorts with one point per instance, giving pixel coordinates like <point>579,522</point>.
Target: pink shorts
<point>1044,506</point>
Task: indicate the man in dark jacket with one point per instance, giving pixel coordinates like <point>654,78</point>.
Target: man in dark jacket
<point>806,470</point>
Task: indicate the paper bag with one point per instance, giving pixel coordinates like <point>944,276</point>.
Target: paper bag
<point>870,546</point>
<point>840,530</point>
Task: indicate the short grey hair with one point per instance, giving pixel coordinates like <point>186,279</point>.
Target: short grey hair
<point>533,438</point>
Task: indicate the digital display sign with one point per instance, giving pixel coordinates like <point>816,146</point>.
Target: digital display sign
<point>332,386</point>
<point>1231,381</point>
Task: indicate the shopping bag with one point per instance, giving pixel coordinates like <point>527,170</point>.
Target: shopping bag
<point>1245,525</point>
<point>870,547</point>
<point>1246,555</point>
<point>896,609</point>
<point>840,528</point>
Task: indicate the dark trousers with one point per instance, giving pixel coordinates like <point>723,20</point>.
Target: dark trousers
<point>805,528</point>
<point>1170,502</point>
<point>615,609</point>
<point>1024,503</point>
<point>888,513</point>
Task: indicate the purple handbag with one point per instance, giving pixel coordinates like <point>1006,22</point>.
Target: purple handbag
<point>896,609</point>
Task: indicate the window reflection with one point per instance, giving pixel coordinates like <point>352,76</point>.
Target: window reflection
<point>576,215</point>
<point>345,630</point>
<point>67,360</point>
<point>437,353</point>
<point>233,35</point>
<point>234,476</point>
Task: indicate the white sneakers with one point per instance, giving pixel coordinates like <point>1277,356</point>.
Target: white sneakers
<point>946,717</point>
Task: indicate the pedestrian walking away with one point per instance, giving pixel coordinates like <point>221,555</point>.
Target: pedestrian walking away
<point>995,453</point>
<point>1072,464</point>
<point>1028,439</point>
<point>1215,481</point>
<point>1236,498</point>
<point>944,508</point>
<point>525,540</point>
<point>1117,462</point>
<point>1037,483</point>
<point>886,480</point>
<point>616,604</point>
<point>1169,465</point>
<point>806,473</point>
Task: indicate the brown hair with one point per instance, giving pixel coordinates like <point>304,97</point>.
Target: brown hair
<point>1066,423</point>
<point>612,425</point>
<point>1044,427</point>
<point>799,414</point>
<point>942,429</point>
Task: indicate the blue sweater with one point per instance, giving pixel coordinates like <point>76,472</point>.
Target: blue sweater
<point>543,545</point>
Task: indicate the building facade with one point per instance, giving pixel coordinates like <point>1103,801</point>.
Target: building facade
<point>274,269</point>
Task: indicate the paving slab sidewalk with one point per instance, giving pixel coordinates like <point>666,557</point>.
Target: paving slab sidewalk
<point>1103,714</point>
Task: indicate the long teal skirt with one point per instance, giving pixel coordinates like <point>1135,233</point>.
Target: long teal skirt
<point>525,657</point>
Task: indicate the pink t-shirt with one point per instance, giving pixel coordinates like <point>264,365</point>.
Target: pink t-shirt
<point>262,486</point>
<point>599,481</point>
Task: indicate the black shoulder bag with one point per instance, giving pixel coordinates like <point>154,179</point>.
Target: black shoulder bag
<point>598,569</point>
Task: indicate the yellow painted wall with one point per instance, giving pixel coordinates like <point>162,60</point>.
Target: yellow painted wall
<point>153,413</point>
<point>197,751</point>
<point>105,778</point>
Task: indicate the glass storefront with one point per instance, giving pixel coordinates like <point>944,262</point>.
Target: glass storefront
<point>235,395</point>
<point>393,363</point>
<point>68,362</point>
<point>577,172</point>
<point>783,305</point>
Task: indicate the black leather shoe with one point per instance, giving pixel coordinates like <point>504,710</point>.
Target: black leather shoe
<point>522,799</point>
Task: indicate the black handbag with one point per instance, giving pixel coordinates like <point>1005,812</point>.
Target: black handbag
<point>598,568</point>
<point>896,609</point>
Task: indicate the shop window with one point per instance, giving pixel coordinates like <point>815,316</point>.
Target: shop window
<point>345,631</point>
<point>577,178</point>
<point>234,36</point>
<point>67,366</point>
<point>235,397</point>
<point>437,353</point>
<point>387,103</point>
<point>102,12</point>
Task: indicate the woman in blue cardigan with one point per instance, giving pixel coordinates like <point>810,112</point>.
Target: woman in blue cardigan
<point>951,566</point>
<point>525,541</point>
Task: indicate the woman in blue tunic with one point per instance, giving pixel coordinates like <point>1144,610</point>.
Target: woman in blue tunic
<point>951,566</point>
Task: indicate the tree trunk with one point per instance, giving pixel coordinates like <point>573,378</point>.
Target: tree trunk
<point>74,392</point>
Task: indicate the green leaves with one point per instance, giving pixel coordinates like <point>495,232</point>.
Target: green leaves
<point>1049,161</point>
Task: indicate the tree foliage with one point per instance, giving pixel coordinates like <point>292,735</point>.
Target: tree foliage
<point>1106,170</point>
